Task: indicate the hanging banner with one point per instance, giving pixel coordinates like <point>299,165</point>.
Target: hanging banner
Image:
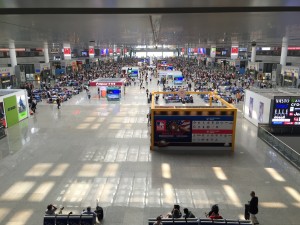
<point>213,52</point>
<point>234,52</point>
<point>67,53</point>
<point>91,52</point>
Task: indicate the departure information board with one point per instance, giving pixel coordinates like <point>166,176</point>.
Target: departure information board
<point>286,111</point>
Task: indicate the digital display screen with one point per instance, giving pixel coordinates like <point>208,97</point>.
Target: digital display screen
<point>104,51</point>
<point>133,73</point>
<point>286,111</point>
<point>202,51</point>
<point>178,80</point>
<point>84,53</point>
<point>170,68</point>
<point>113,94</point>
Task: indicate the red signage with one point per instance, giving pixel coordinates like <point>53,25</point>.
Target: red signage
<point>67,51</point>
<point>294,48</point>
<point>234,50</point>
<point>111,51</point>
<point>93,83</point>
<point>92,51</point>
<point>118,50</point>
<point>183,50</point>
<point>125,50</point>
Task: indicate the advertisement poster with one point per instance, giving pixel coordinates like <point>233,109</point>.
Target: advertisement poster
<point>22,110</point>
<point>213,131</point>
<point>173,130</point>
<point>2,115</point>
<point>11,110</point>
<point>251,107</point>
<point>261,112</point>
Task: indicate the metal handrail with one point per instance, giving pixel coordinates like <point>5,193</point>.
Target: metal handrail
<point>278,147</point>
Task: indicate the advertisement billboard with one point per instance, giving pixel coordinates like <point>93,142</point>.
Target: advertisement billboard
<point>213,52</point>
<point>11,110</point>
<point>286,111</point>
<point>22,109</point>
<point>211,131</point>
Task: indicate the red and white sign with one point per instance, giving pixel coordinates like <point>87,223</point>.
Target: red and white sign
<point>67,51</point>
<point>93,83</point>
<point>111,51</point>
<point>91,51</point>
<point>234,50</point>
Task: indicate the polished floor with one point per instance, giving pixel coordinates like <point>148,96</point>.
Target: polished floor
<point>93,149</point>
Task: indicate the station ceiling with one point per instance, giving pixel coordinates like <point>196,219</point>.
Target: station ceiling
<point>198,23</point>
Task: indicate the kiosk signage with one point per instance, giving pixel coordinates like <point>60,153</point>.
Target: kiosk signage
<point>11,110</point>
<point>213,131</point>
<point>22,110</point>
<point>108,84</point>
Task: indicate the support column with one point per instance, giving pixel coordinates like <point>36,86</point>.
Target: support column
<point>46,52</point>
<point>253,53</point>
<point>284,50</point>
<point>12,53</point>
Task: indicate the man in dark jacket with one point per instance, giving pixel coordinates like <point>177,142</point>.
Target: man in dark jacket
<point>188,213</point>
<point>253,208</point>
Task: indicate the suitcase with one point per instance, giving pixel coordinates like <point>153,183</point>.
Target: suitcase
<point>247,214</point>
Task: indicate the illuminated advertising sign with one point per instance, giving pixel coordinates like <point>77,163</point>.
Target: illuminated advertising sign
<point>104,51</point>
<point>67,51</point>
<point>286,111</point>
<point>234,50</point>
<point>202,51</point>
<point>213,52</point>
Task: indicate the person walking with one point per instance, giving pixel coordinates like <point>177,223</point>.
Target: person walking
<point>58,102</point>
<point>253,208</point>
<point>88,93</point>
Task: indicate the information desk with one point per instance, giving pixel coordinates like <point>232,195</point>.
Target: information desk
<point>196,127</point>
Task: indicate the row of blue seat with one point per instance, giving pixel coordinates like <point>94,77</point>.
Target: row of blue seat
<point>69,220</point>
<point>200,221</point>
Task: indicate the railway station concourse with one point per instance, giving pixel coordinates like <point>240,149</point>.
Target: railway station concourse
<point>98,149</point>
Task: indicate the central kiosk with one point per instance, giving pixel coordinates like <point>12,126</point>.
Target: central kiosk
<point>109,88</point>
<point>193,127</point>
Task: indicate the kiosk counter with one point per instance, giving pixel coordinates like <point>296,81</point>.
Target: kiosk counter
<point>193,127</point>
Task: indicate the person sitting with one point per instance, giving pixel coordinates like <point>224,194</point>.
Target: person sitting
<point>89,211</point>
<point>175,213</point>
<point>50,210</point>
<point>158,221</point>
<point>214,213</point>
<point>188,214</point>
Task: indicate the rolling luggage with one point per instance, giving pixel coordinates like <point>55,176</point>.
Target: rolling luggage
<point>247,214</point>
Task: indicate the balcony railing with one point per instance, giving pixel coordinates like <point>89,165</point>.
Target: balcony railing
<point>286,151</point>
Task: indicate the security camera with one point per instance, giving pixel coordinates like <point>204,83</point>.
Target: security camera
<point>253,44</point>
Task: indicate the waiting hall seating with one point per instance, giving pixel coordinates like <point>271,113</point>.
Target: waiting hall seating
<point>69,220</point>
